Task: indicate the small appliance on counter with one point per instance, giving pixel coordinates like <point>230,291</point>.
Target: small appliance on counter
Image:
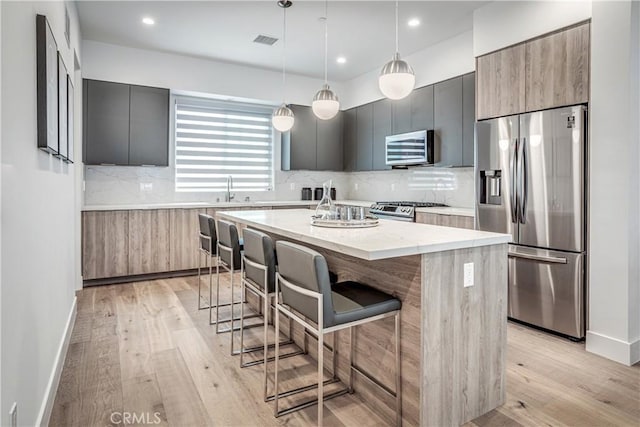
<point>401,211</point>
<point>307,193</point>
<point>318,193</point>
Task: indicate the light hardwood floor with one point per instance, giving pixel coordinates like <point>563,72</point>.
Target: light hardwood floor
<point>144,348</point>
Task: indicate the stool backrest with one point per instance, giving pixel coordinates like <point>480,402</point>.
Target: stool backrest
<point>258,248</point>
<point>228,236</point>
<point>307,269</point>
<point>208,237</point>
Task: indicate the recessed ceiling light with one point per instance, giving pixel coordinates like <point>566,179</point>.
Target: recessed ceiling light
<point>148,21</point>
<point>413,22</point>
<point>341,60</point>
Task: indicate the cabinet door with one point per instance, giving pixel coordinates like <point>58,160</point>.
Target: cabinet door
<point>107,123</point>
<point>329,151</point>
<point>148,241</point>
<point>303,136</point>
<point>557,69</point>
<point>422,108</point>
<point>402,115</point>
<point>364,137</point>
<point>382,117</point>
<point>183,234</point>
<point>501,83</point>
<point>149,126</point>
<point>468,118</point>
<point>448,122</point>
<point>105,244</point>
<point>349,139</point>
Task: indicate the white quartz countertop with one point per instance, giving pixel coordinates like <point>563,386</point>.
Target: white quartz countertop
<point>390,239</point>
<point>449,211</point>
<point>226,205</point>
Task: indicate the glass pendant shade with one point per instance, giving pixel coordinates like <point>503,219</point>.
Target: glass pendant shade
<point>282,118</point>
<point>325,104</point>
<point>397,78</point>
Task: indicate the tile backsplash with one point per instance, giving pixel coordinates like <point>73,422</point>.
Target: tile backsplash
<point>113,185</point>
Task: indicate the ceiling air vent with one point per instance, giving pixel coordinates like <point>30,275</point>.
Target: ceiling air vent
<point>262,39</point>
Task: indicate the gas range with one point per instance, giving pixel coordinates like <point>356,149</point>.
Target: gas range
<point>400,211</point>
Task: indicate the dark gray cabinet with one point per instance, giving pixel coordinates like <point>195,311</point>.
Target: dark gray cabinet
<point>302,146</point>
<point>382,127</point>
<point>125,124</point>
<point>329,153</point>
<point>468,118</point>
<point>422,108</point>
<point>149,126</point>
<point>402,115</point>
<point>349,136</point>
<point>106,123</point>
<point>364,137</point>
<point>313,144</point>
<point>448,122</point>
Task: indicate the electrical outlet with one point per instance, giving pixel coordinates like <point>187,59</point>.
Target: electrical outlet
<point>146,186</point>
<point>468,274</point>
<point>393,187</point>
<point>356,186</point>
<point>13,415</point>
<point>292,186</point>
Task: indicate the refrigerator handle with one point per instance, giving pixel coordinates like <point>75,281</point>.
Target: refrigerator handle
<point>541,258</point>
<point>514,183</point>
<point>522,181</point>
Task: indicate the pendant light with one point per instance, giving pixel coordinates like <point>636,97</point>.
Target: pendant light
<point>325,104</point>
<point>282,117</point>
<point>397,78</point>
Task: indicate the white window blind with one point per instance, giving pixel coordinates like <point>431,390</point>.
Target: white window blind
<point>217,139</point>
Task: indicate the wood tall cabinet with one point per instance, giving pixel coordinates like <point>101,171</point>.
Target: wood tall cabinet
<point>500,83</point>
<point>105,244</point>
<point>557,69</point>
<point>148,241</point>
<point>546,72</point>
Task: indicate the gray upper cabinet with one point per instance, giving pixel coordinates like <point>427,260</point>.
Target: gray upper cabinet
<point>349,136</point>
<point>382,127</point>
<point>106,123</point>
<point>402,115</point>
<point>364,137</point>
<point>149,126</point>
<point>422,108</point>
<point>302,136</point>
<point>125,124</point>
<point>468,118</point>
<point>448,122</point>
<point>329,153</point>
<point>313,144</point>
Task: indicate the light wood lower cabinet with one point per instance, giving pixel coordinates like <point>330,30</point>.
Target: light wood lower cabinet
<point>105,244</point>
<point>458,221</point>
<point>148,241</point>
<point>183,233</point>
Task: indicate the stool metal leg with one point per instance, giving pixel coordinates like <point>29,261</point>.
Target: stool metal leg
<point>352,345</point>
<point>398,372</point>
<point>277,355</point>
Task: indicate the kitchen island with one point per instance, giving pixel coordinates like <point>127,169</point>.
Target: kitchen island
<point>453,336</point>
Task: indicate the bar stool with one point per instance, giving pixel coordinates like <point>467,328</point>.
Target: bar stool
<point>258,276</point>
<point>207,246</point>
<point>303,279</point>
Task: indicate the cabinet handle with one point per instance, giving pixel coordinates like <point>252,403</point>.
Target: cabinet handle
<point>541,258</point>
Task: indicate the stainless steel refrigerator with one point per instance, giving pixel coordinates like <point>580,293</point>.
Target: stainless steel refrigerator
<point>530,173</point>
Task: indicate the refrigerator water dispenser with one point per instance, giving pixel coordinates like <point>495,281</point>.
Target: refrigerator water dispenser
<point>491,187</point>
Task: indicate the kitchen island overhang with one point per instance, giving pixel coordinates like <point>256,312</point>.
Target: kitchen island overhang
<point>453,337</point>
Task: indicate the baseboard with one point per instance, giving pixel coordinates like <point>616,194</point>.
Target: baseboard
<point>54,379</point>
<point>139,277</point>
<point>627,353</point>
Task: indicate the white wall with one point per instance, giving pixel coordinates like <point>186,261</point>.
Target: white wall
<point>38,220</point>
<point>614,307</point>
<point>450,58</point>
<point>502,23</point>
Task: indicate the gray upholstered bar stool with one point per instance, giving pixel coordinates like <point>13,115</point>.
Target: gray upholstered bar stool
<point>258,276</point>
<point>303,279</point>
<point>207,246</point>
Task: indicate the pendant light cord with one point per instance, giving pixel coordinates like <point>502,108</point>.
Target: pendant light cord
<point>284,53</point>
<point>397,48</point>
<point>326,39</point>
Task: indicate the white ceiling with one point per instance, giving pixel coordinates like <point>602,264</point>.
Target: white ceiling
<point>362,31</point>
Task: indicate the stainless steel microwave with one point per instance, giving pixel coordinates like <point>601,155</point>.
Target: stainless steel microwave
<point>409,149</point>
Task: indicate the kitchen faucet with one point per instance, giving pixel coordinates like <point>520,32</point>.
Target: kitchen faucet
<point>229,196</point>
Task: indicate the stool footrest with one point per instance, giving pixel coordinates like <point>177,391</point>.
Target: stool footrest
<point>311,402</point>
<point>301,389</point>
<point>373,380</point>
<point>236,328</point>
<point>272,358</point>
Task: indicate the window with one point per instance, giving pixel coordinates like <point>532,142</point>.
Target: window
<point>217,139</point>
